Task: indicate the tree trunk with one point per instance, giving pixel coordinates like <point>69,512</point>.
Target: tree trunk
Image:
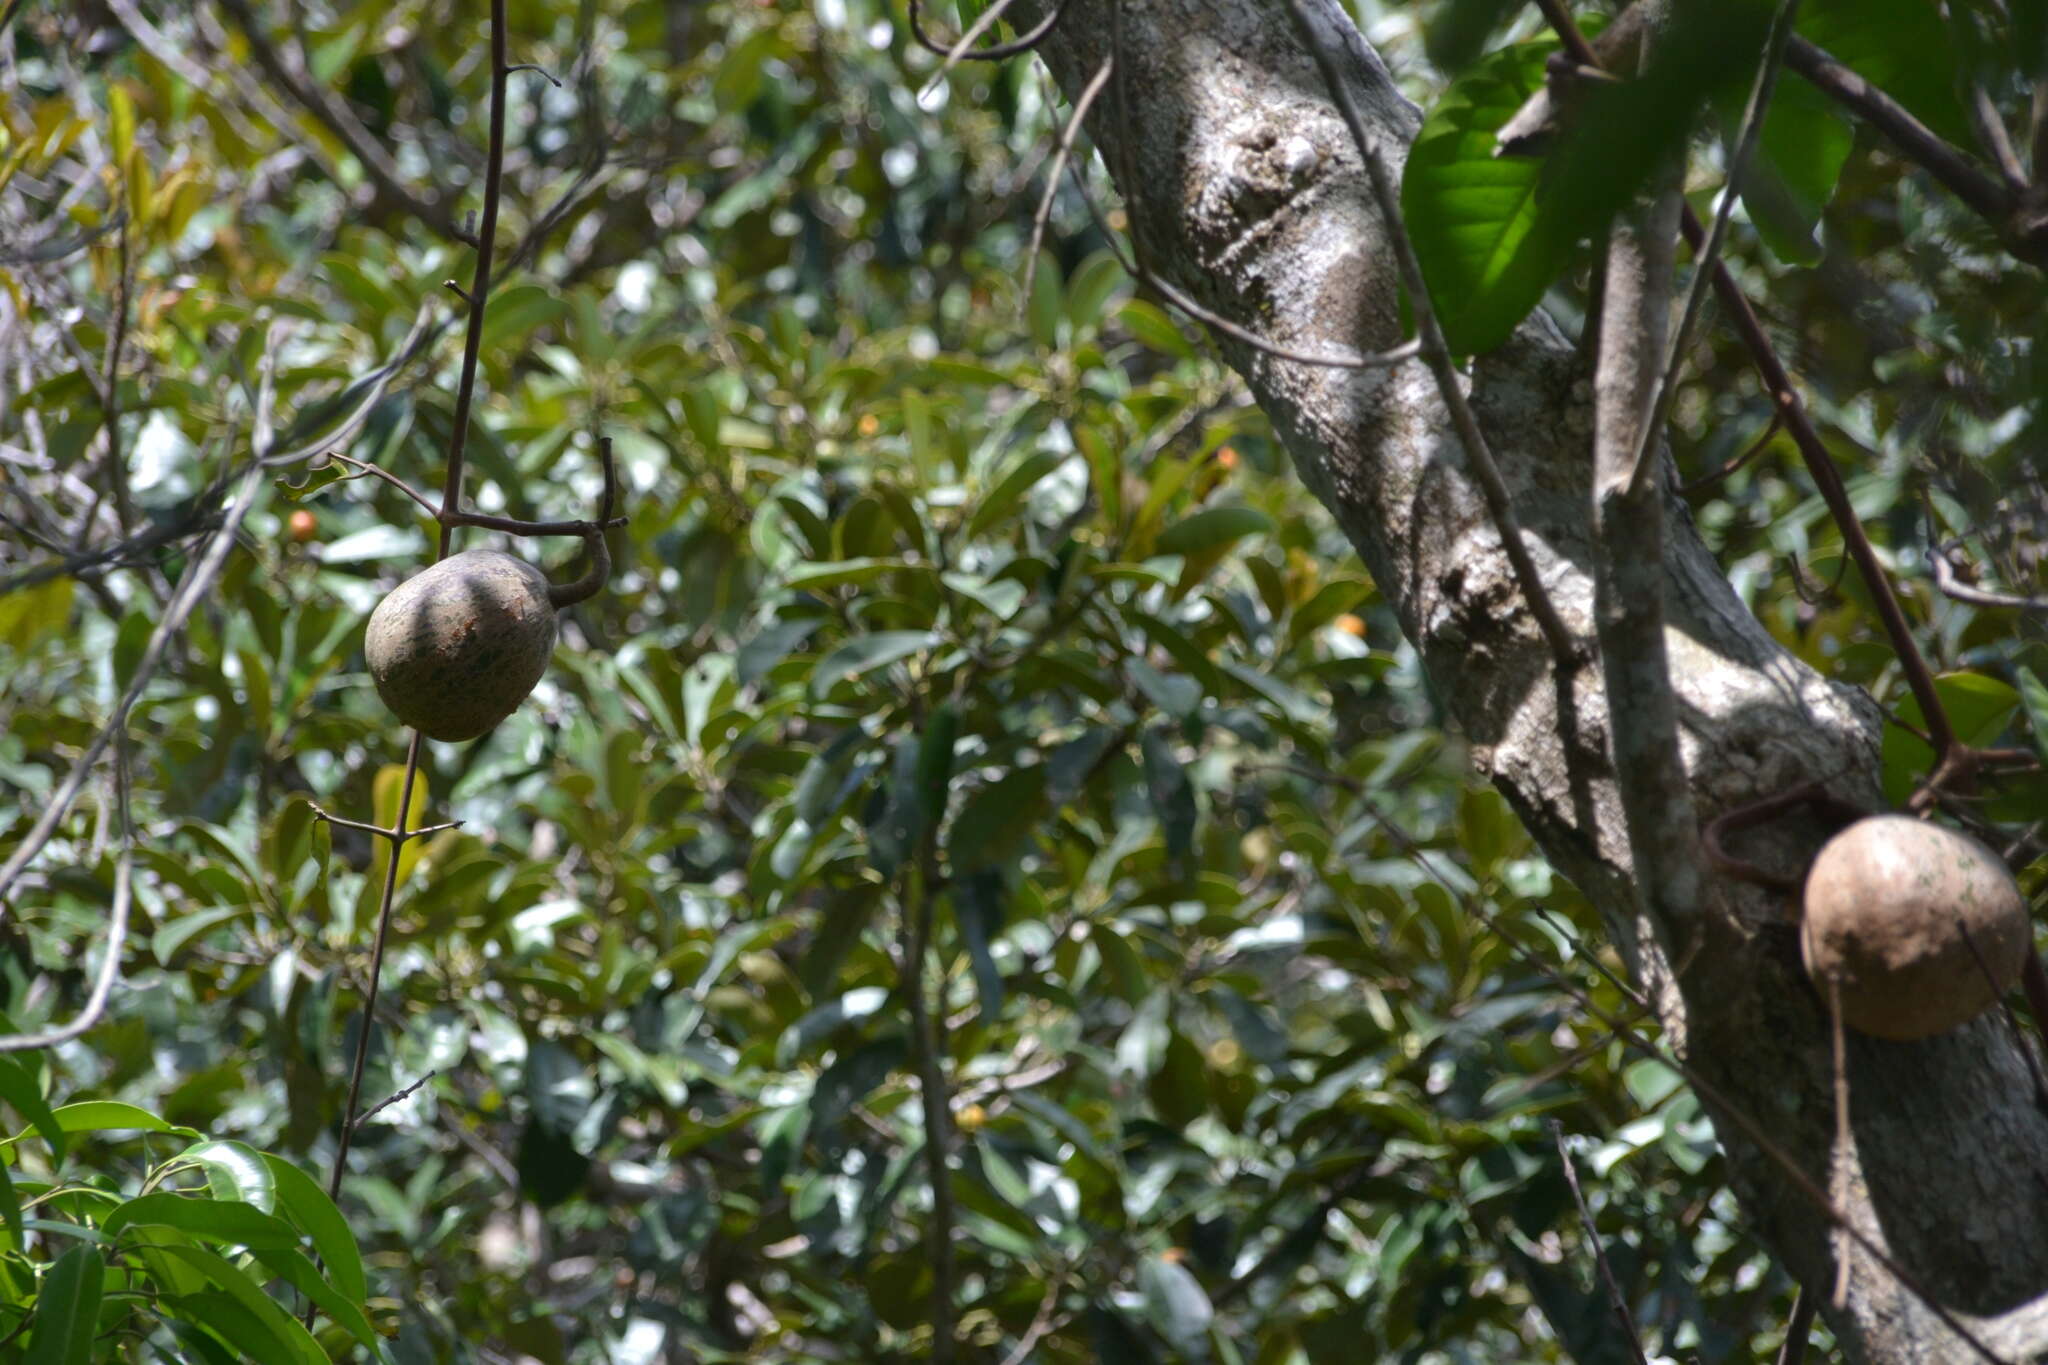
<point>1245,190</point>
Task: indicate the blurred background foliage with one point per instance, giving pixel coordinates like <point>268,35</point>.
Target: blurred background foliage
<point>954,623</point>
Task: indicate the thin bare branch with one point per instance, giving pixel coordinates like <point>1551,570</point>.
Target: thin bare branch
<point>1616,1300</point>
<point>479,295</point>
<point>396,836</point>
<point>1087,97</point>
<point>381,1105</point>
<point>1755,448</point>
<point>1798,1328</point>
<point>964,48</point>
<point>384,902</point>
<point>1760,91</point>
<point>1944,571</point>
<point>117,925</point>
<point>1628,529</point>
<point>1990,128</point>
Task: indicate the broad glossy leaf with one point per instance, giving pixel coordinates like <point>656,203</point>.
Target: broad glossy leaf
<point>67,1308</point>
<point>1486,253</point>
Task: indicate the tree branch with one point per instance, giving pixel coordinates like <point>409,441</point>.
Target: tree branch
<point>1628,527</point>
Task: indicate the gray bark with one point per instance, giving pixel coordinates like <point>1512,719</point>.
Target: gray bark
<point>1249,194</point>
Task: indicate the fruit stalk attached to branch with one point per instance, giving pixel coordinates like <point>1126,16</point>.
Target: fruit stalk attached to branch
<point>455,648</point>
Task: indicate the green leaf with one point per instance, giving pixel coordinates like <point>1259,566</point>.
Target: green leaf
<point>1011,488</point>
<point>865,653</point>
<point>978,906</point>
<point>1801,149</point>
<point>2034,696</point>
<point>1171,793</point>
<point>1094,281</point>
<point>1486,253</point>
<point>320,471</point>
<point>110,1116</point>
<point>1044,309</point>
<point>996,820</point>
<point>1150,325</point>
<point>292,1341</point>
<point>1212,527</point>
<point>217,1220</point>
<point>67,1310</point>
<point>298,1271</point>
<point>1900,46</point>
<point>1978,707</point>
<point>19,1088</point>
<point>234,1170</point>
<point>1176,1304</point>
<point>840,573</point>
<point>301,1199</point>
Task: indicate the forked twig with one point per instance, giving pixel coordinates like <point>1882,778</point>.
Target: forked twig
<point>1616,1300</point>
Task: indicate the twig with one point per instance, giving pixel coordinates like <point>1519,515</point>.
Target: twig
<point>1616,1300</point>
<point>1436,352</point>
<point>1041,1323</point>
<point>80,563</point>
<point>363,467</point>
<point>1945,579</point>
<point>396,836</point>
<point>2012,1020</point>
<point>381,1105</point>
<point>1990,129</point>
<point>482,520</point>
<point>1087,97</point>
<point>1713,838</point>
<point>480,282</point>
<point>384,903</point>
<point>7,15</point>
<point>1628,533</point>
<point>964,48</point>
<point>117,339</point>
<point>1798,1328</point>
<point>117,925</point>
<point>544,74</point>
<point>1755,448</point>
<point>1760,91</point>
<point>1845,1141</point>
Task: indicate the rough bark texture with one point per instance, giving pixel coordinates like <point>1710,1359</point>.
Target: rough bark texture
<point>1250,195</point>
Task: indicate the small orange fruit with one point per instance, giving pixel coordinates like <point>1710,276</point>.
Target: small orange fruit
<point>303,525</point>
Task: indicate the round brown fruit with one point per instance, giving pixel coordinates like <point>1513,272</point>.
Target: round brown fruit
<point>303,525</point>
<point>1898,914</point>
<point>455,648</point>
